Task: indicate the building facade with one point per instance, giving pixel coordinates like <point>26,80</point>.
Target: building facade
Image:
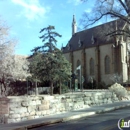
<point>102,54</point>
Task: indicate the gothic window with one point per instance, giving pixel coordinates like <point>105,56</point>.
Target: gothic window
<point>91,64</point>
<point>107,65</point>
<point>78,65</point>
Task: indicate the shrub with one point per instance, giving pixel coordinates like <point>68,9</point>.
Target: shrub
<point>91,85</point>
<point>64,89</point>
<point>101,85</point>
<point>119,90</point>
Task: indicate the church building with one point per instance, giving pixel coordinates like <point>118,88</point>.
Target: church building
<point>100,53</point>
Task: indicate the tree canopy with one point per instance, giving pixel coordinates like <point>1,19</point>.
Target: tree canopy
<point>12,67</point>
<point>47,61</point>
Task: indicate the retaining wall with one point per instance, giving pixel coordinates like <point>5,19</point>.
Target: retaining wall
<point>24,108</point>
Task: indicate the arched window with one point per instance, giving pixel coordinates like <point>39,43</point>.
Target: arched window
<point>78,65</point>
<point>91,64</point>
<point>107,65</point>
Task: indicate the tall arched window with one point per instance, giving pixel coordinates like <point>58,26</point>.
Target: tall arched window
<point>91,64</point>
<point>78,64</point>
<point>107,65</point>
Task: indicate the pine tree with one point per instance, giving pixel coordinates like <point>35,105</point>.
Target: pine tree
<point>48,62</point>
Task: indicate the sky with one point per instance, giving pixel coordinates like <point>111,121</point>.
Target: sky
<point>27,17</point>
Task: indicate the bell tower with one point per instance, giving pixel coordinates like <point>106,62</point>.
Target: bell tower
<point>74,26</point>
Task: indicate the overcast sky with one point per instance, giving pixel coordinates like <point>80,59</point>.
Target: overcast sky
<point>27,17</point>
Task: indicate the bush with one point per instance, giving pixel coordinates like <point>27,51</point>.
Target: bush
<point>91,85</point>
<point>64,89</point>
<point>101,85</point>
<point>119,90</point>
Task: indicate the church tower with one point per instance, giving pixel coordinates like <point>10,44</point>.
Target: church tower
<point>74,26</point>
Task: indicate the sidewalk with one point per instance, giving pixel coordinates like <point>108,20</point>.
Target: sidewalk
<point>65,116</point>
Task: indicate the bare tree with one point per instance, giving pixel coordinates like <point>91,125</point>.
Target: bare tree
<point>20,67</point>
<point>119,9</point>
<point>12,67</point>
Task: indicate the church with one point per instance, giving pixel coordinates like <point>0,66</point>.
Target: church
<point>99,53</point>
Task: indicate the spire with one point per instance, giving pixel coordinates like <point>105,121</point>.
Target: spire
<point>74,26</point>
<point>74,21</point>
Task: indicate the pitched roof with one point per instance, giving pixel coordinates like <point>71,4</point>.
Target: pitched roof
<point>93,36</point>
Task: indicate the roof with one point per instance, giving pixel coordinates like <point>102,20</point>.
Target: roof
<point>93,36</point>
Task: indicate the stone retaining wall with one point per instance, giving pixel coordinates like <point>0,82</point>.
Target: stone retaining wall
<point>24,108</point>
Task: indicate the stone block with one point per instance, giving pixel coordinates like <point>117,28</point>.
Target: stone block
<point>38,102</point>
<point>32,113</point>
<point>45,102</point>
<point>14,104</point>
<point>88,94</point>
<point>32,103</point>
<point>43,107</point>
<point>52,111</point>
<point>47,112</point>
<point>11,112</point>
<point>54,101</point>
<point>11,120</point>
<point>14,116</point>
<point>25,114</point>
<point>25,104</point>
<point>91,98</point>
<point>30,117</point>
<point>48,97</point>
<point>86,98</point>
<point>38,113</point>
<point>18,110</point>
<point>35,117</point>
<point>100,97</point>
<point>68,100</point>
<point>18,119</point>
<point>22,109</point>
<point>15,99</point>
<point>31,108</point>
<point>105,100</point>
<point>24,118</point>
<point>43,112</point>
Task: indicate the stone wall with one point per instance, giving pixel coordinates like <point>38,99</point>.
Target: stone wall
<point>4,110</point>
<point>24,108</point>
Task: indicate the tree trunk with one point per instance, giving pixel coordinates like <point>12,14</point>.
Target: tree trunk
<point>3,90</point>
<point>36,87</point>
<point>60,87</point>
<point>51,92</point>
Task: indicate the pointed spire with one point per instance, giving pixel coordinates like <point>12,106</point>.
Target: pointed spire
<point>74,21</point>
<point>74,26</point>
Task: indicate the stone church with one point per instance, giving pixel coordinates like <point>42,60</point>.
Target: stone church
<point>101,52</point>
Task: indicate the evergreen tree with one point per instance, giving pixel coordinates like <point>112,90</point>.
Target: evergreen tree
<point>47,62</point>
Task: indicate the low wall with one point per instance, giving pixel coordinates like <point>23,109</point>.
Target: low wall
<point>24,108</point>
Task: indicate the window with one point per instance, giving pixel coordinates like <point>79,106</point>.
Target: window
<point>91,64</point>
<point>78,65</point>
<point>107,65</point>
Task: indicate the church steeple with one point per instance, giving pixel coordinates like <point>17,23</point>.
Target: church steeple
<point>74,26</point>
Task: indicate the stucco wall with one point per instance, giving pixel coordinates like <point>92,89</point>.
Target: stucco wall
<point>106,50</point>
<point>77,56</point>
<point>90,53</point>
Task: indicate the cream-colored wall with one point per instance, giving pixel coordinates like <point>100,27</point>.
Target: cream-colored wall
<point>67,56</point>
<point>90,53</point>
<point>77,56</point>
<point>106,50</point>
<point>124,62</point>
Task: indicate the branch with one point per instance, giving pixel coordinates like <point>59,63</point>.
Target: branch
<point>124,6</point>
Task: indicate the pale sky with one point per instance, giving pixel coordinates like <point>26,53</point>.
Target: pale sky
<point>27,17</point>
